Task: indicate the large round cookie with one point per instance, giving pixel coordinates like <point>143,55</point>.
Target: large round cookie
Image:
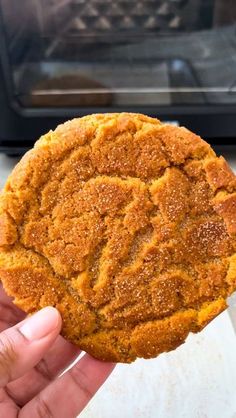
<point>127,226</point>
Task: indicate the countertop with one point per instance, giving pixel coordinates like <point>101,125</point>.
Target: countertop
<point>6,165</point>
<point>195,381</point>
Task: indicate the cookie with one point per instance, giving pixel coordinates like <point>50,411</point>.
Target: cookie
<point>127,226</point>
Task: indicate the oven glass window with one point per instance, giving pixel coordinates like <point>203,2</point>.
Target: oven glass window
<point>86,53</point>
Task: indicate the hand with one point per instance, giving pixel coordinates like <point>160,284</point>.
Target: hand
<point>32,356</point>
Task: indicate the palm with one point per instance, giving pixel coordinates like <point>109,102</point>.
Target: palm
<point>38,393</point>
<point>61,354</point>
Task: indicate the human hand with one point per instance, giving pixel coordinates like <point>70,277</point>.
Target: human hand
<point>32,356</point>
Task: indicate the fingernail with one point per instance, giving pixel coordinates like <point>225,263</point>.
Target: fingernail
<point>40,324</point>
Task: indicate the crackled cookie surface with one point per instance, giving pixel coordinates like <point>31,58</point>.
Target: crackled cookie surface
<point>127,226</point>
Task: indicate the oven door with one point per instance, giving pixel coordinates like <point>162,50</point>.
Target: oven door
<point>175,59</point>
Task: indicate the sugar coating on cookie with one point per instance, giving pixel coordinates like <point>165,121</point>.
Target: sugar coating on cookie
<point>127,226</point>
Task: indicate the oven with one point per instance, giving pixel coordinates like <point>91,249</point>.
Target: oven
<point>171,59</point>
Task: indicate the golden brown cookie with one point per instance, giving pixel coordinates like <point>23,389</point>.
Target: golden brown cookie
<point>127,226</point>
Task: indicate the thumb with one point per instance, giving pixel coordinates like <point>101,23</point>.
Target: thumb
<point>23,346</point>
